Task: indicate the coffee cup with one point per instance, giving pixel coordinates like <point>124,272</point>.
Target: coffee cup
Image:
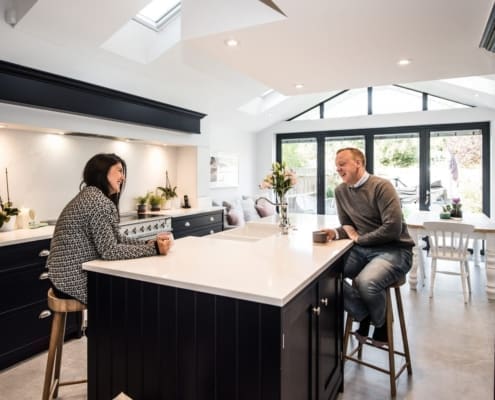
<point>320,237</point>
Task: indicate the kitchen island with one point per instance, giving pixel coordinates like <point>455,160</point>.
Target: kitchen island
<point>244,314</point>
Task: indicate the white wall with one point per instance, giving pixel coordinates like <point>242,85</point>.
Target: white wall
<point>265,140</point>
<point>237,143</point>
<point>45,170</point>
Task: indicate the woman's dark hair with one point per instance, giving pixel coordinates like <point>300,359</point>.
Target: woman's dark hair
<point>96,171</point>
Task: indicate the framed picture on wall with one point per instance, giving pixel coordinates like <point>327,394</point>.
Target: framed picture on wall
<point>224,170</point>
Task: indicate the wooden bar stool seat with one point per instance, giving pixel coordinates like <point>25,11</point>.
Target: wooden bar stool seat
<point>59,308</point>
<point>392,370</point>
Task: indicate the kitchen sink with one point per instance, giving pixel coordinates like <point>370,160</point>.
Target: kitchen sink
<point>250,232</point>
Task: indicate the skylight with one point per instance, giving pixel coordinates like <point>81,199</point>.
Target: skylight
<point>157,13</point>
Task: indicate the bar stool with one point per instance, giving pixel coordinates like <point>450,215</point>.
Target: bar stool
<point>392,371</point>
<point>60,308</point>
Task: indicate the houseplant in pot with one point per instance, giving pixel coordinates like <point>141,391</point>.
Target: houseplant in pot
<point>7,212</point>
<point>168,192</point>
<point>155,201</point>
<point>141,203</point>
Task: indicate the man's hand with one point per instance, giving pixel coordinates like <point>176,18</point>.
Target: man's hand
<point>330,233</point>
<point>351,232</point>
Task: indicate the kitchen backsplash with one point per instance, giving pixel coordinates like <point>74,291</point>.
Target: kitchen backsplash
<point>45,170</point>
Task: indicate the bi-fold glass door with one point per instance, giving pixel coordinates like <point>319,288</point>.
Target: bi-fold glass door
<point>428,165</point>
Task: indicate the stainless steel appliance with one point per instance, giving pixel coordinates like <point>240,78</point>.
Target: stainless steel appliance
<point>144,226</point>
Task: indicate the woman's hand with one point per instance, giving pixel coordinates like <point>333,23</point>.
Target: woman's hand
<point>164,240</point>
<point>351,232</point>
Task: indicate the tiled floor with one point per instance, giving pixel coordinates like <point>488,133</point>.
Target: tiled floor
<point>452,348</point>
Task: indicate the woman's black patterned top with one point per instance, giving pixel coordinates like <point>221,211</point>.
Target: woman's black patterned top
<point>88,229</point>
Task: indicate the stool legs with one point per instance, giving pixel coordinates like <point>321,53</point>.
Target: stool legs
<point>405,340</point>
<point>390,348</point>
<point>54,353</point>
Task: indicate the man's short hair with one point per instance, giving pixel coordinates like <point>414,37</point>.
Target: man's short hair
<point>356,153</point>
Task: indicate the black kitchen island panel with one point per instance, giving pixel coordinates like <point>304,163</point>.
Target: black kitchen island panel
<point>155,342</point>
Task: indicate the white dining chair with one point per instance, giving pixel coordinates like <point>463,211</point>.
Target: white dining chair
<point>449,241</point>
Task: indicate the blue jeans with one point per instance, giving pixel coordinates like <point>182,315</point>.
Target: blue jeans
<point>372,270</point>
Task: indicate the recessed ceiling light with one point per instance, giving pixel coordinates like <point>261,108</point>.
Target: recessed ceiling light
<point>298,85</point>
<point>2,126</point>
<point>231,43</point>
<point>404,61</point>
<point>476,95</point>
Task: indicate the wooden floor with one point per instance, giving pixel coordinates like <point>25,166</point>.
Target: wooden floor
<point>452,349</point>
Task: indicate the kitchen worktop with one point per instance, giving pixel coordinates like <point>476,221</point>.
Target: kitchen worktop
<point>25,235</point>
<point>28,235</point>
<point>255,262</point>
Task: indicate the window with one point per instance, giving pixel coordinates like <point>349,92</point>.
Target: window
<point>349,104</point>
<point>157,13</point>
<point>384,100</point>
<point>394,99</point>
<point>428,165</point>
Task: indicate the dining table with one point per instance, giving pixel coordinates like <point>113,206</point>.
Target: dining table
<point>484,229</point>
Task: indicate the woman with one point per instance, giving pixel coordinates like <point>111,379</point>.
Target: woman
<point>88,229</point>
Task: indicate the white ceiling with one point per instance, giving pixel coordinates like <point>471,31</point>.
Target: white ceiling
<point>327,45</point>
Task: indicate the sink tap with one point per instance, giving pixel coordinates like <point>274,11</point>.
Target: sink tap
<point>282,210</point>
<point>266,199</point>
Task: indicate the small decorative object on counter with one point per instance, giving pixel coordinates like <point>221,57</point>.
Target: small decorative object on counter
<point>186,201</point>
<point>281,180</point>
<point>453,210</point>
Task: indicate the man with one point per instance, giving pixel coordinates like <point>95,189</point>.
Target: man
<point>370,215</point>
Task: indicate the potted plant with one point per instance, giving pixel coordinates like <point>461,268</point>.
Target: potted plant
<point>168,192</point>
<point>155,201</point>
<point>142,201</point>
<point>7,211</point>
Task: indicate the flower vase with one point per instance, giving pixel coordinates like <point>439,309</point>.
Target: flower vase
<point>283,210</point>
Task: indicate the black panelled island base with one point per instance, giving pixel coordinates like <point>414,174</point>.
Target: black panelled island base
<point>221,318</point>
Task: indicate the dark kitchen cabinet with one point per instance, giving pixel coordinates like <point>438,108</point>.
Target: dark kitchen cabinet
<point>312,324</point>
<point>200,224</point>
<point>160,342</point>
<point>24,317</point>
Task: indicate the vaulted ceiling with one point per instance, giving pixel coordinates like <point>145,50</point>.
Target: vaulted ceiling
<point>324,45</point>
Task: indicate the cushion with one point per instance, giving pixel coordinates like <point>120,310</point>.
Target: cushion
<point>235,216</point>
<point>264,208</point>
<point>250,213</point>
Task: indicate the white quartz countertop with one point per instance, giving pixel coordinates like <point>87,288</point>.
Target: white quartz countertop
<point>269,270</point>
<point>25,235</point>
<point>28,235</point>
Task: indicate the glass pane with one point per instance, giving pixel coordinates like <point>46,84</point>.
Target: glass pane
<point>300,155</point>
<point>396,157</point>
<point>393,99</point>
<point>332,179</point>
<point>436,103</point>
<point>456,169</point>
<point>157,9</point>
<point>314,113</point>
<point>351,103</point>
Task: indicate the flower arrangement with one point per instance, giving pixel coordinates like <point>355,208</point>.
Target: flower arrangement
<point>281,179</point>
<point>454,209</point>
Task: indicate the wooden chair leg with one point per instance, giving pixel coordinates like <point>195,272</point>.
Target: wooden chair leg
<point>58,359</point>
<point>391,348</point>
<point>347,334</point>
<point>52,350</point>
<point>402,322</point>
